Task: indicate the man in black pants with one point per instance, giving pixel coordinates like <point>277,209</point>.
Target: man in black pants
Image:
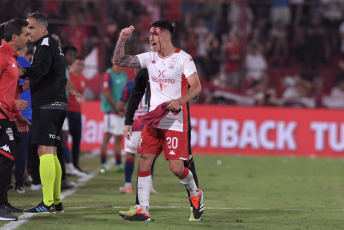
<point>141,87</point>
<point>49,106</point>
<point>11,119</point>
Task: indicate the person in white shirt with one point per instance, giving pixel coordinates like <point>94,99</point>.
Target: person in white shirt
<point>170,70</point>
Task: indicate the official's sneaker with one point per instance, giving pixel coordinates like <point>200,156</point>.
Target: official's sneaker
<point>130,212</point>
<point>20,189</point>
<point>41,208</point>
<point>6,215</point>
<point>197,204</point>
<point>10,208</point>
<point>138,216</point>
<point>36,187</point>
<point>59,207</point>
<point>72,171</point>
<point>192,218</point>
<point>124,190</point>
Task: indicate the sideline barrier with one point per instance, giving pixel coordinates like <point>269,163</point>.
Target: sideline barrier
<point>247,130</point>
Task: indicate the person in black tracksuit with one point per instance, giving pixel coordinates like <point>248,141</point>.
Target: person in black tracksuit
<point>49,106</point>
<point>141,87</point>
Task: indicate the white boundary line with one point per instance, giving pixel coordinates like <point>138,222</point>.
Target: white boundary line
<point>222,208</point>
<point>27,216</point>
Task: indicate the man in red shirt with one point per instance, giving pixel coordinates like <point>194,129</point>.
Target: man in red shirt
<point>11,119</point>
<point>74,108</point>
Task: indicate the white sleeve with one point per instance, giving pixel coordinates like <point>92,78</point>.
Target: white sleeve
<point>189,66</point>
<point>144,58</point>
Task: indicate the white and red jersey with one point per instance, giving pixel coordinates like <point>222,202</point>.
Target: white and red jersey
<point>168,80</point>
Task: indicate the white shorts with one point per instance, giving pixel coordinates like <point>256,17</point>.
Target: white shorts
<point>65,126</point>
<point>132,144</point>
<point>113,124</point>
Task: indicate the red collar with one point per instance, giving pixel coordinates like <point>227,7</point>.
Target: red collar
<point>9,49</point>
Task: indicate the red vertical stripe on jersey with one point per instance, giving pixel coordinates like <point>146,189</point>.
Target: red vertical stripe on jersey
<point>184,89</point>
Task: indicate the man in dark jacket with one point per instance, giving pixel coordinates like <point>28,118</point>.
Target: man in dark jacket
<point>49,106</point>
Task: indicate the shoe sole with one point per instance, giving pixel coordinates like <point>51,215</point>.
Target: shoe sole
<point>149,219</point>
<point>8,219</point>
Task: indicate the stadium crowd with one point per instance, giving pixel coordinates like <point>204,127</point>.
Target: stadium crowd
<point>276,47</point>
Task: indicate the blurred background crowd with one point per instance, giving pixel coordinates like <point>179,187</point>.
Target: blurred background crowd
<point>247,52</point>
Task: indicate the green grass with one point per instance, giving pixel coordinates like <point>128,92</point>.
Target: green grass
<point>241,193</point>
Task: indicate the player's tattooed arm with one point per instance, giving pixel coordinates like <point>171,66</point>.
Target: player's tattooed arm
<point>121,59</point>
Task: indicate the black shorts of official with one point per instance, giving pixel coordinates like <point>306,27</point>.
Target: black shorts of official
<point>47,121</point>
<point>9,138</point>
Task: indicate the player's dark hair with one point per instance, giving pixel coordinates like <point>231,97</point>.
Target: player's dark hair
<point>66,48</point>
<point>164,24</point>
<point>41,18</point>
<point>2,30</point>
<point>14,26</point>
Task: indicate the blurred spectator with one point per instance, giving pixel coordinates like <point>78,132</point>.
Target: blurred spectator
<point>269,98</point>
<point>256,90</point>
<point>289,85</point>
<point>317,91</point>
<point>235,18</point>
<point>111,34</point>
<point>279,46</point>
<point>255,64</point>
<point>76,32</point>
<point>190,42</point>
<point>280,11</point>
<point>212,66</point>
<point>231,49</point>
<point>332,12</point>
<point>202,31</point>
<point>338,89</point>
<point>74,108</point>
<point>314,52</point>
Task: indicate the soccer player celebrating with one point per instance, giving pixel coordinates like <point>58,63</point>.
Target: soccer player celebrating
<point>139,95</point>
<point>47,76</point>
<point>170,70</point>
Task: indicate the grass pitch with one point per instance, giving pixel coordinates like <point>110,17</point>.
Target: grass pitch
<point>239,193</point>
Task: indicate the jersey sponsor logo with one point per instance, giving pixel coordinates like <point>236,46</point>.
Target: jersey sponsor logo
<point>45,42</point>
<point>6,148</point>
<point>14,65</point>
<point>52,136</point>
<point>9,132</point>
<point>172,62</point>
<point>161,74</point>
<point>172,153</point>
<point>163,81</point>
<point>119,81</point>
